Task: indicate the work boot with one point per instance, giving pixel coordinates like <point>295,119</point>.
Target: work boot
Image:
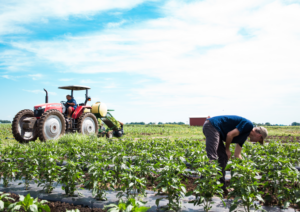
<point>225,193</point>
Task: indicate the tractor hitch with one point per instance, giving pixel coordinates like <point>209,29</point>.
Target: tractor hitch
<point>29,123</point>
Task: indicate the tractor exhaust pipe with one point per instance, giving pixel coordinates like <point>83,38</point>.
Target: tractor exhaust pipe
<point>46,100</point>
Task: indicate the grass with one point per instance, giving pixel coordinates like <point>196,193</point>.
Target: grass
<point>163,131</point>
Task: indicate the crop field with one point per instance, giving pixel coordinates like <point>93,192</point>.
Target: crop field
<point>169,160</point>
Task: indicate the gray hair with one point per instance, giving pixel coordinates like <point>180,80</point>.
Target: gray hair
<point>263,131</point>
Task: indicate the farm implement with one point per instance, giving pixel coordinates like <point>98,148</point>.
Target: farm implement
<point>49,120</point>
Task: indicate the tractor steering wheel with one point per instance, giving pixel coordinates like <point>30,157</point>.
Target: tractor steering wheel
<point>63,102</point>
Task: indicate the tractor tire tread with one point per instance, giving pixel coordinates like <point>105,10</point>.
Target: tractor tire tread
<point>81,119</point>
<point>15,126</point>
<point>42,122</point>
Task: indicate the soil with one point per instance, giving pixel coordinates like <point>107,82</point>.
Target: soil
<point>150,133</point>
<point>59,206</point>
<point>189,183</point>
<point>283,139</point>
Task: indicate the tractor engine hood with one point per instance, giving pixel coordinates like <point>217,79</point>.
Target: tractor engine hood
<point>48,105</point>
<point>40,109</point>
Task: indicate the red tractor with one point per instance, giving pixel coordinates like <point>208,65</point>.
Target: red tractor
<point>49,120</point>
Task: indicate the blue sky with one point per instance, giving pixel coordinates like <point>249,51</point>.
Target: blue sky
<point>154,60</point>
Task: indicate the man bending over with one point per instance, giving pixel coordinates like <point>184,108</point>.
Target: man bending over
<point>230,129</point>
<point>70,105</point>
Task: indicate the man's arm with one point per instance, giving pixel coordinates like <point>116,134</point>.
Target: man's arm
<point>72,103</point>
<point>237,152</point>
<point>229,138</point>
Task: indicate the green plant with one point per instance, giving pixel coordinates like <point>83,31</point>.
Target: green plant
<point>100,179</point>
<point>277,174</point>
<point>244,185</point>
<point>208,185</point>
<point>71,175</point>
<point>28,170</point>
<point>48,173</point>
<point>4,203</point>
<point>132,205</point>
<point>132,185</point>
<point>28,204</point>
<point>8,169</point>
<point>115,122</point>
<point>170,183</point>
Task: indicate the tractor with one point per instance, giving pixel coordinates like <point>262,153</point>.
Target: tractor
<point>49,121</point>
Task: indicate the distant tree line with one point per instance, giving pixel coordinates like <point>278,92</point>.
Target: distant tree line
<point>5,121</point>
<point>269,124</point>
<point>295,124</point>
<point>136,123</point>
<point>178,123</point>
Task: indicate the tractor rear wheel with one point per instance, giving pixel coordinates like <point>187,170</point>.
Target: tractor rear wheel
<point>20,134</point>
<point>51,125</point>
<point>87,124</point>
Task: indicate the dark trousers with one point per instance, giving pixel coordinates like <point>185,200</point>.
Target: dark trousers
<point>215,148</point>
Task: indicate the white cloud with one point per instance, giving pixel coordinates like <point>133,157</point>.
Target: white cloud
<point>14,60</point>
<point>88,81</point>
<point>115,24</point>
<point>13,14</point>
<point>214,55</point>
<point>6,76</point>
<point>35,76</point>
<point>11,77</point>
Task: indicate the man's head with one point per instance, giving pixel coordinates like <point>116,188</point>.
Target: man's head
<point>69,97</point>
<point>258,134</point>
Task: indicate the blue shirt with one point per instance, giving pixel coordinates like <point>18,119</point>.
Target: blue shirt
<point>72,101</point>
<point>225,124</point>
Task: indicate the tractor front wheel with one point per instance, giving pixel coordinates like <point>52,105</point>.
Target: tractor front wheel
<point>51,125</point>
<point>22,135</point>
<point>87,124</point>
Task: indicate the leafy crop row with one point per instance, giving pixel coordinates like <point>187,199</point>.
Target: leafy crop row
<point>131,167</point>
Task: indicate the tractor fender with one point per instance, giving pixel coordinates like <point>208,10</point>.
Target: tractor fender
<point>79,110</point>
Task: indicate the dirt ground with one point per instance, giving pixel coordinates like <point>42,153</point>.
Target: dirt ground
<point>60,206</point>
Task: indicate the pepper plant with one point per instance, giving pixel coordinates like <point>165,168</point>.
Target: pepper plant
<point>170,183</point>
<point>70,176</point>
<point>48,173</point>
<point>8,168</point>
<point>131,205</point>
<point>28,204</point>
<point>4,200</point>
<point>100,179</point>
<point>28,170</point>
<point>244,185</point>
<point>208,185</point>
<point>132,185</point>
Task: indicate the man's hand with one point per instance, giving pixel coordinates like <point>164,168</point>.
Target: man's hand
<point>229,137</point>
<point>237,152</point>
<point>228,153</point>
